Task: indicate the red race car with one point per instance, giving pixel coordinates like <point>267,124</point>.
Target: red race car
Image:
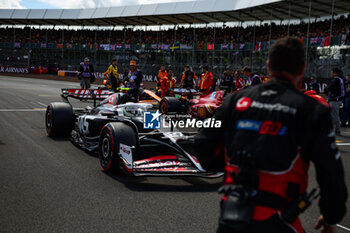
<point>192,102</point>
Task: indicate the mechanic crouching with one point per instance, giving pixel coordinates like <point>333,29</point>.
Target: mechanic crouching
<point>269,134</point>
<point>132,79</point>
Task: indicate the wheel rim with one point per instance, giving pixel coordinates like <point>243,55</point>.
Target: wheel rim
<point>163,107</point>
<point>105,148</point>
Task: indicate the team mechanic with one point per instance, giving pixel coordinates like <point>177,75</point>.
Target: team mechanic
<point>271,132</point>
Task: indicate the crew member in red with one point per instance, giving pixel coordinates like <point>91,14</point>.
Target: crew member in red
<point>206,81</point>
<point>239,82</point>
<point>268,136</point>
<point>167,83</point>
<point>161,74</point>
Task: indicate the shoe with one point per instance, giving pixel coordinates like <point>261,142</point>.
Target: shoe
<point>337,132</point>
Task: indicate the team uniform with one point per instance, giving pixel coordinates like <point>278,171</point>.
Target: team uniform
<point>161,75</point>
<point>227,84</point>
<point>86,75</point>
<point>188,78</point>
<point>239,83</point>
<point>136,77</point>
<point>254,79</point>
<point>166,84</point>
<point>114,77</point>
<point>282,130</point>
<point>315,86</point>
<point>206,82</point>
<point>336,94</point>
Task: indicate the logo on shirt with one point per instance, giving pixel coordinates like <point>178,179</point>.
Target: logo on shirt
<point>243,104</point>
<point>272,128</point>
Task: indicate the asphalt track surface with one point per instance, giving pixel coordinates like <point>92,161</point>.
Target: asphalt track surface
<point>49,185</point>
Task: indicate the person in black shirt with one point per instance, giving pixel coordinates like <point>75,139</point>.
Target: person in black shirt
<point>268,136</point>
<point>188,77</point>
<point>132,79</point>
<point>346,101</point>
<point>336,94</point>
<point>227,82</point>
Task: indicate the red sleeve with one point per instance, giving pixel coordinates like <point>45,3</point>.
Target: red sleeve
<point>163,83</point>
<point>209,82</point>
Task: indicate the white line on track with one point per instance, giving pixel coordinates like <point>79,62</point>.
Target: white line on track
<point>343,144</point>
<point>23,110</point>
<point>342,227</point>
<point>42,104</point>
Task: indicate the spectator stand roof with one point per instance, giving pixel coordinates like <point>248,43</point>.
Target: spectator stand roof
<point>203,11</point>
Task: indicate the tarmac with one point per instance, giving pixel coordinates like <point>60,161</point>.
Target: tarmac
<point>50,185</point>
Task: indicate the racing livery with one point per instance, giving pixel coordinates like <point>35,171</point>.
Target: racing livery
<point>192,102</point>
<point>114,129</point>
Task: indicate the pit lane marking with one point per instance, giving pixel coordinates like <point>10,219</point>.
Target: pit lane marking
<point>23,110</point>
<point>342,227</point>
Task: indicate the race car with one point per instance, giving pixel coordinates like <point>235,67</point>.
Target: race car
<point>192,102</point>
<point>115,130</point>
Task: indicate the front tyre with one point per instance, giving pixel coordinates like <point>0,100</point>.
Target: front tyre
<point>59,119</point>
<point>114,137</point>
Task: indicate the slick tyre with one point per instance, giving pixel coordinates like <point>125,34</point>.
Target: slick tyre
<point>114,137</point>
<point>169,104</point>
<point>59,119</point>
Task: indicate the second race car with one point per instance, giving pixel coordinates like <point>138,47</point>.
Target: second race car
<point>192,102</point>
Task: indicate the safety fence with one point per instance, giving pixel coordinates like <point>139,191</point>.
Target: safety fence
<point>323,53</point>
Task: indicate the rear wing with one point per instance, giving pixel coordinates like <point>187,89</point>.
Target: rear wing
<point>83,94</point>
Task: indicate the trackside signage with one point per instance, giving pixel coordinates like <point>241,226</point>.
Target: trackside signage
<point>9,69</point>
<point>154,120</point>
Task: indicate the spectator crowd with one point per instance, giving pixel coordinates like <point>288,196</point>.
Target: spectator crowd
<point>223,35</point>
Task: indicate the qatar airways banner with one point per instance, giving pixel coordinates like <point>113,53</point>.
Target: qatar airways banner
<point>10,69</point>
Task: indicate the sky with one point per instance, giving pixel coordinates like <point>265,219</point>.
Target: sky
<point>68,4</point>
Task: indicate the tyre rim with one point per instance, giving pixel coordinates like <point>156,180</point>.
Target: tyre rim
<point>105,147</point>
<point>163,108</point>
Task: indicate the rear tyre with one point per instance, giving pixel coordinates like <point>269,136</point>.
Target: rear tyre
<point>112,136</point>
<point>169,104</point>
<point>59,119</point>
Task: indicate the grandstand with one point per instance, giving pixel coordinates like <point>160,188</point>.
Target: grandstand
<point>213,32</point>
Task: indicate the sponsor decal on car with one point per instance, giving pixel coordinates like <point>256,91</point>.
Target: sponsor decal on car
<point>126,154</point>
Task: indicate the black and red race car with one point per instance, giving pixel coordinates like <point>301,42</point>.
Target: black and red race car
<point>192,102</point>
<point>118,133</point>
